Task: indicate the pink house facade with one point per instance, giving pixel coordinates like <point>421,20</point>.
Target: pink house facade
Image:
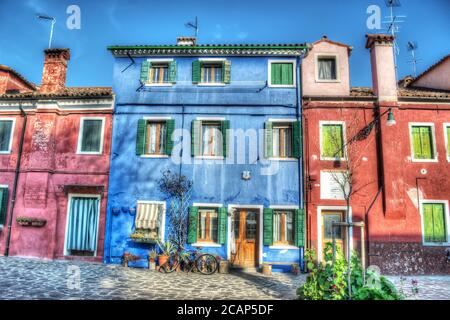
<point>55,144</point>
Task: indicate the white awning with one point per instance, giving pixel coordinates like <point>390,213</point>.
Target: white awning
<point>148,215</point>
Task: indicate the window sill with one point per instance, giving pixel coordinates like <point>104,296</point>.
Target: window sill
<point>283,247</point>
<point>206,244</point>
<point>328,81</point>
<point>202,84</point>
<point>283,159</point>
<point>288,86</point>
<point>89,153</point>
<point>210,157</point>
<point>331,159</point>
<point>5,152</point>
<point>159,84</point>
<point>425,160</point>
<point>436,244</point>
<point>156,156</point>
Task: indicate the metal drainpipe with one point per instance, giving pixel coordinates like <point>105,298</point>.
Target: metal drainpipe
<point>16,178</point>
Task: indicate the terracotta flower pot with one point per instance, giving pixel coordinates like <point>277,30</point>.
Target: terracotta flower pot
<point>162,260</point>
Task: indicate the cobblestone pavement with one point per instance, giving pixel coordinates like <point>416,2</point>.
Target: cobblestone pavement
<point>23,278</point>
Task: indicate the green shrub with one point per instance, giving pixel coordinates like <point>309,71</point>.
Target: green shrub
<point>328,281</point>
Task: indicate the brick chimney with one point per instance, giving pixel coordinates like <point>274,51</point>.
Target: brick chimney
<point>384,80</point>
<point>55,69</point>
<point>186,41</point>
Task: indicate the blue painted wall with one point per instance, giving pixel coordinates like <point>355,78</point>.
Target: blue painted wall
<point>247,102</point>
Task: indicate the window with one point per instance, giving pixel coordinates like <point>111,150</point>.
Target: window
<point>154,137</point>
<point>207,225</point>
<point>282,139</point>
<point>211,71</point>
<point>209,138</point>
<point>91,136</point>
<point>158,72</point>
<point>326,68</point>
<point>6,132</point>
<point>422,142</point>
<point>447,140</point>
<point>149,222</point>
<point>283,227</point>
<point>3,204</point>
<point>434,223</point>
<point>281,73</point>
<point>332,141</point>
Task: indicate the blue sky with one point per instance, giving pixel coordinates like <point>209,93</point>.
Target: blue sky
<point>103,23</point>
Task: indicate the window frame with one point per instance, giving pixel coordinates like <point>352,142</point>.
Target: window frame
<point>211,84</point>
<point>292,208</point>
<point>291,122</point>
<point>163,84</point>
<point>80,136</point>
<point>276,125</point>
<point>208,119</point>
<point>156,119</point>
<point>11,135</point>
<point>319,56</point>
<point>163,218</point>
<point>344,139</point>
<point>447,221</point>
<point>216,207</point>
<point>447,143</point>
<point>433,137</point>
<point>294,73</point>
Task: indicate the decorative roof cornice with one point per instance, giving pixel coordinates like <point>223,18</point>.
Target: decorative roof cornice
<point>210,50</point>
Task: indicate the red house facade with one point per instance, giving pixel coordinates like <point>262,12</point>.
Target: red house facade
<point>55,144</point>
<point>394,140</point>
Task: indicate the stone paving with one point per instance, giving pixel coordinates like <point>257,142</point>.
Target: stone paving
<point>23,278</point>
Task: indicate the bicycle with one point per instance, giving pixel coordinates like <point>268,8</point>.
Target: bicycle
<point>191,261</point>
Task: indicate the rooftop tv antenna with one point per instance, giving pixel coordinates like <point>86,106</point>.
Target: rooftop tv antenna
<point>193,25</point>
<point>412,47</point>
<point>392,23</point>
<point>48,18</point>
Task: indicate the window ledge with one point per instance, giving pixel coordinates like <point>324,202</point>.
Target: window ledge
<point>437,244</point>
<point>206,244</point>
<point>287,86</point>
<point>283,159</point>
<point>210,157</point>
<point>89,153</point>
<point>425,160</point>
<point>282,247</point>
<point>332,159</point>
<point>159,84</point>
<point>205,84</point>
<point>328,81</point>
<point>5,152</point>
<point>156,156</point>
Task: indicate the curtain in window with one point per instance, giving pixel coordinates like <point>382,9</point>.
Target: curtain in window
<point>434,223</point>
<point>156,137</point>
<point>148,216</point>
<point>211,73</point>
<point>332,141</point>
<point>92,130</point>
<point>422,142</point>
<point>207,226</point>
<point>276,142</point>
<point>5,134</point>
<point>327,69</point>
<point>211,140</point>
<point>83,223</point>
<point>290,227</point>
<point>276,227</point>
<point>159,73</point>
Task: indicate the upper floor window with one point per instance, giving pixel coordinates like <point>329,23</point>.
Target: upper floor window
<point>331,140</point>
<point>90,140</point>
<point>211,71</point>
<point>3,204</point>
<point>6,135</point>
<point>327,68</point>
<point>158,72</point>
<point>447,139</point>
<point>422,142</point>
<point>154,137</point>
<point>435,229</point>
<point>209,137</point>
<point>283,227</point>
<point>282,139</point>
<point>281,73</point>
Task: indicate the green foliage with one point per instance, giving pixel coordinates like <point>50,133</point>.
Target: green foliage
<point>328,281</point>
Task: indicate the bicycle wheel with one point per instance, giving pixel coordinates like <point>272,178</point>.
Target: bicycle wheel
<point>170,266</point>
<point>206,264</point>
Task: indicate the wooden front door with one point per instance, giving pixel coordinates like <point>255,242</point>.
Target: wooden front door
<point>246,230</point>
<point>328,217</point>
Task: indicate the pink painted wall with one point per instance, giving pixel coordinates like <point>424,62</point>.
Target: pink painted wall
<point>438,78</point>
<point>311,86</point>
<point>50,162</point>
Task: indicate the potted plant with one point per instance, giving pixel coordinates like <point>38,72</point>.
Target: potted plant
<point>31,221</point>
<point>152,254</point>
<point>166,249</point>
<point>295,268</point>
<point>127,257</point>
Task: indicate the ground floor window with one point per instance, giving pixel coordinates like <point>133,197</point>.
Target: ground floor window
<point>207,225</point>
<point>149,222</point>
<point>434,223</point>
<point>283,227</point>
<point>82,225</point>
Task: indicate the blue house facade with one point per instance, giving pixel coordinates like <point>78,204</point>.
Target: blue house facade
<point>228,118</point>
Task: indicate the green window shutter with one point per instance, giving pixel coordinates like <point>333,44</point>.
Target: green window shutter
<point>427,144</point>
<point>332,141</point>
<point>173,71</point>
<point>223,215</point>
<point>287,74</point>
<point>5,134</point>
<point>299,237</point>
<point>439,228</point>
<point>417,146</point>
<point>196,71</point>
<point>448,141</point>
<point>297,137</point>
<point>140,137</point>
<point>170,127</point>
<point>3,205</point>
<point>268,226</point>
<point>91,135</point>
<point>145,66</point>
<point>192,228</point>
<point>226,66</point>
<point>268,137</point>
<point>196,137</point>
<point>225,125</point>
<point>275,73</point>
<point>428,222</point>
